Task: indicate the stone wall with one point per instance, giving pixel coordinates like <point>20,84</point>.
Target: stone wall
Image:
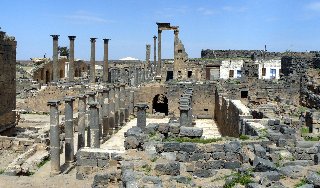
<point>7,82</point>
<point>203,102</point>
<point>15,144</point>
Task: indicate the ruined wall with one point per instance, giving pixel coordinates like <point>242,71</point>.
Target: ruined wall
<point>203,101</point>
<point>228,114</point>
<point>7,82</point>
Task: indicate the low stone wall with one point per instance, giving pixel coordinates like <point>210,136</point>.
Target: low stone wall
<point>15,144</point>
<point>228,115</point>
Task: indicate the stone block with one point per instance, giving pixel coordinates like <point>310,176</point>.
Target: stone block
<point>182,156</point>
<point>263,165</point>
<point>103,163</point>
<point>151,128</point>
<point>170,168</point>
<point>131,142</point>
<point>314,179</point>
<point>259,151</point>
<point>202,173</point>
<point>232,164</point>
<point>233,147</point>
<point>188,147</point>
<point>163,128</point>
<point>292,171</point>
<point>191,132</point>
<point>214,164</point>
<point>171,146</point>
<point>219,155</point>
<point>170,156</point>
<point>316,159</point>
<point>174,128</point>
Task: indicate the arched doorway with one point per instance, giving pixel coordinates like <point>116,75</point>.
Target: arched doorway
<point>160,104</point>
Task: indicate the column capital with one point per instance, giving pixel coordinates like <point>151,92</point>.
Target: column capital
<point>69,99</point>
<point>55,37</point>
<point>53,103</point>
<point>93,39</point>
<point>106,40</point>
<point>159,31</point>
<point>91,93</point>
<point>72,37</point>
<point>93,104</point>
<point>155,37</point>
<point>82,96</point>
<point>176,31</point>
<point>141,106</point>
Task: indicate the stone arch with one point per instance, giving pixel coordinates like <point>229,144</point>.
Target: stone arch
<point>160,104</point>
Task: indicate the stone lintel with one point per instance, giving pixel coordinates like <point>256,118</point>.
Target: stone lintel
<point>141,106</point>
<point>53,102</point>
<point>55,37</point>
<point>72,37</point>
<point>90,93</point>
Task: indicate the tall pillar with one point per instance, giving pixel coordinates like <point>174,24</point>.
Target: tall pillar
<point>141,115</point>
<point>81,120</point>
<point>91,99</point>
<point>154,54</point>
<point>175,55</point>
<point>117,107</point>
<point>148,47</point>
<point>105,108</point>
<point>71,58</point>
<point>69,144</point>
<point>93,60</point>
<point>105,60</point>
<point>55,64</point>
<point>101,112</point>
<point>94,125</point>
<point>159,53</point>
<point>131,102</point>
<point>111,109</point>
<point>54,137</point>
<point>184,115</point>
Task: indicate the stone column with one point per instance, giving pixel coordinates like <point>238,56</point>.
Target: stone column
<point>131,102</point>
<point>122,104</point>
<point>175,54</point>
<point>141,115</point>
<point>111,109</point>
<point>93,60</point>
<point>71,59</point>
<point>148,64</point>
<point>81,120</point>
<point>159,53</point>
<point>101,112</point>
<point>117,107</point>
<point>55,64</point>
<point>91,99</point>
<point>94,125</point>
<point>154,54</point>
<point>184,115</point>
<point>105,60</point>
<point>69,144</point>
<point>105,108</point>
<point>54,137</point>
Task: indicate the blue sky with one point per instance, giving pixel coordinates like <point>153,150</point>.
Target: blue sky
<point>204,24</point>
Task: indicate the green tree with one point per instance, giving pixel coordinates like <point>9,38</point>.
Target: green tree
<point>63,51</point>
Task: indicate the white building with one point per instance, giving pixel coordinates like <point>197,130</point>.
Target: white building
<point>269,69</point>
<point>231,69</point>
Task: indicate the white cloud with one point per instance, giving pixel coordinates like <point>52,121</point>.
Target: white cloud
<point>86,17</point>
<point>206,11</point>
<point>313,6</point>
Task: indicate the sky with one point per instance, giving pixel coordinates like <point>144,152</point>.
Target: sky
<point>130,24</point>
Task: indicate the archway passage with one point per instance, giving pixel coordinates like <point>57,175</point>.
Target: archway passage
<point>160,104</point>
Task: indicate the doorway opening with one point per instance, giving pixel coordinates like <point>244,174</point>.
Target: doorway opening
<point>160,104</point>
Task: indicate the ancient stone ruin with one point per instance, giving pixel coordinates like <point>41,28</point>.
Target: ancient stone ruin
<point>232,118</point>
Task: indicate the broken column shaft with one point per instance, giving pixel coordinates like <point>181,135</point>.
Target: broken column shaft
<point>93,60</point>
<point>105,109</point>
<point>69,144</point>
<point>55,63</point>
<point>54,137</point>
<point>111,109</point>
<point>91,99</point>
<point>141,115</point>
<point>117,107</point>
<point>81,120</point>
<point>159,54</point>
<point>184,119</point>
<point>154,53</point>
<point>94,125</point>
<point>71,58</point>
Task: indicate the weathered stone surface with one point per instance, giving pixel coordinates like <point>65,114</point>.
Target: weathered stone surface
<point>232,164</point>
<point>171,146</point>
<point>163,128</point>
<point>201,173</point>
<point>191,132</point>
<point>314,178</point>
<point>152,128</point>
<point>292,171</point>
<point>170,168</point>
<point>188,147</point>
<point>131,142</point>
<point>263,165</point>
<point>233,147</point>
<point>215,164</point>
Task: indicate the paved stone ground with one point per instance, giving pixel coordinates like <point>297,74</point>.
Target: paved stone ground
<point>116,142</point>
<point>210,129</point>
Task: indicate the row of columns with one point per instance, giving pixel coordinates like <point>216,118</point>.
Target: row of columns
<point>186,108</point>
<point>55,64</point>
<point>108,110</point>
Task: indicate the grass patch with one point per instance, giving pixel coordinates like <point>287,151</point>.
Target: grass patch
<point>243,179</point>
<point>154,159</point>
<point>1,171</point>
<point>193,140</point>
<point>29,173</point>
<point>244,137</point>
<point>304,130</point>
<point>307,138</point>
<point>301,183</point>
<point>146,168</point>
<point>43,162</point>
